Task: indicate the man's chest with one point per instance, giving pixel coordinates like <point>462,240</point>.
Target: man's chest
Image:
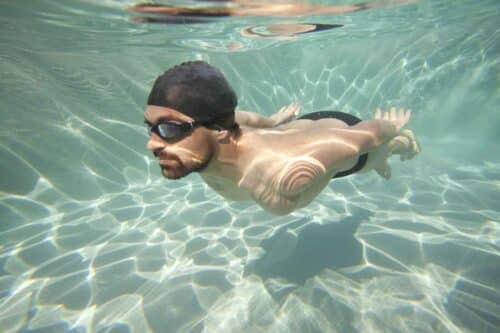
<point>227,188</point>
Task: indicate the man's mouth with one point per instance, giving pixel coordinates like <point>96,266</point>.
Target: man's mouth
<point>163,159</point>
<point>167,162</point>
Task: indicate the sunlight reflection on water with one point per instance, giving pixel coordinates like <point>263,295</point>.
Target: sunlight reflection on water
<point>92,239</point>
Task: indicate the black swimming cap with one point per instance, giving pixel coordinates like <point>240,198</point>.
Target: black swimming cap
<point>196,89</point>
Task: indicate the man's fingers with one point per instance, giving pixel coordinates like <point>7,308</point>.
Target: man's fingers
<point>393,115</point>
<point>285,108</point>
<point>293,107</point>
<point>401,114</point>
<point>378,114</point>
<point>297,108</point>
<point>408,116</point>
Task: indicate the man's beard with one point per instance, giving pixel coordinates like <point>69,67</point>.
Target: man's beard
<point>196,168</point>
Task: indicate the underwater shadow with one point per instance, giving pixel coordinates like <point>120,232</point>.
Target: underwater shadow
<point>298,257</point>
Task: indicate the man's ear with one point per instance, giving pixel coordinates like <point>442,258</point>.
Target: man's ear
<point>222,135</point>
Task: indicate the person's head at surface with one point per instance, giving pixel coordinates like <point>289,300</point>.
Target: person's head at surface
<point>191,109</point>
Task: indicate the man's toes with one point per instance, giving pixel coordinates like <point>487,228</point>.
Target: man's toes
<point>384,171</point>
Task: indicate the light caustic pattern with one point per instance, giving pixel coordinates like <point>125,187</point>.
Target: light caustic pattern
<point>181,259</point>
<point>93,240</point>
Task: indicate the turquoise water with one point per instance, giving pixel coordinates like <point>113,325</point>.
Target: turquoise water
<point>93,239</point>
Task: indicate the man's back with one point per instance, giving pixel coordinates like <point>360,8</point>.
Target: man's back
<point>280,167</point>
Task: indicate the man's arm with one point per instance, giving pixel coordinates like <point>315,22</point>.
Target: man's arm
<point>255,120</point>
<point>252,119</point>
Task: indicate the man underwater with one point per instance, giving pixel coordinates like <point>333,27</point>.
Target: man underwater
<point>280,163</point>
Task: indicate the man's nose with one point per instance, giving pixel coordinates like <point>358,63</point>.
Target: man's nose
<point>155,144</point>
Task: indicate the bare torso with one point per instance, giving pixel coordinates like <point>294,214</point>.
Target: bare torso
<point>268,154</point>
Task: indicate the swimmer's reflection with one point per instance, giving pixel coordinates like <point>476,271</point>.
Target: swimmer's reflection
<point>186,15</point>
<point>250,8</point>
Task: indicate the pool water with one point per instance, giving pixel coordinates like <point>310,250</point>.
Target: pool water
<point>93,239</point>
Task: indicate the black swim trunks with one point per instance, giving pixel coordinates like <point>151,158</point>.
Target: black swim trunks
<point>349,120</point>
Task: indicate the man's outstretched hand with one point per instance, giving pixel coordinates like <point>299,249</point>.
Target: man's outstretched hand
<point>286,114</point>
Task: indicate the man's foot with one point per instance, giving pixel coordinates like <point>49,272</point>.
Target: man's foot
<point>384,169</point>
<point>405,145</point>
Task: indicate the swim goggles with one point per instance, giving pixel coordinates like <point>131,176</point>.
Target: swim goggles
<point>171,130</point>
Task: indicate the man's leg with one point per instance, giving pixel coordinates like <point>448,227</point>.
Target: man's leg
<point>405,145</point>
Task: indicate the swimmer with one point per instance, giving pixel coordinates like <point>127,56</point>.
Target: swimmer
<point>281,162</point>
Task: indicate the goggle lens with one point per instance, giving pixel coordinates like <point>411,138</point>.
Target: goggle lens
<point>170,130</point>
